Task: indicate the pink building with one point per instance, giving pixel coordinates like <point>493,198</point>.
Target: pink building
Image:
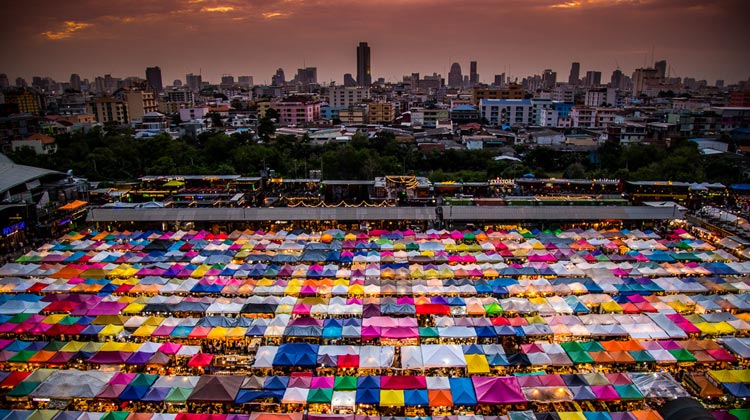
<point>297,112</point>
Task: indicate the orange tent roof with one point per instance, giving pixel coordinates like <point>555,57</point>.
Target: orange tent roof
<point>73,205</point>
<point>440,398</point>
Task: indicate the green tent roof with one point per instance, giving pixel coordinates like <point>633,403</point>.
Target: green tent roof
<point>428,332</point>
<point>628,392</point>
<point>320,396</point>
<point>345,383</point>
<point>178,394</point>
<point>580,357</point>
<point>682,355</point>
<point>642,356</point>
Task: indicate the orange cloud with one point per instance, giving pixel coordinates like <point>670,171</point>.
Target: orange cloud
<point>271,15</point>
<point>567,5</point>
<point>218,9</point>
<point>68,30</point>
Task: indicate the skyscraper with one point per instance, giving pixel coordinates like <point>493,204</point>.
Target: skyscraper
<point>278,79</point>
<point>4,82</point>
<point>364,76</point>
<point>473,75</point>
<point>455,78</point>
<point>661,68</point>
<point>349,80</point>
<point>307,76</point>
<point>575,74</point>
<point>617,81</point>
<point>153,77</point>
<point>75,81</point>
<point>194,81</point>
<point>549,79</point>
<point>593,78</point>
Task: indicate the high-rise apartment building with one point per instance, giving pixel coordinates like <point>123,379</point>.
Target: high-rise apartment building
<point>194,82</point>
<point>575,74</point>
<point>455,78</point>
<point>75,81</point>
<point>364,72</point>
<point>153,77</point>
<point>278,79</point>
<point>473,75</point>
<point>593,78</point>
<point>661,69</point>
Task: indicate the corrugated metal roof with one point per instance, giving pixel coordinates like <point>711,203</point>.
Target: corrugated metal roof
<point>450,213</point>
<point>12,174</point>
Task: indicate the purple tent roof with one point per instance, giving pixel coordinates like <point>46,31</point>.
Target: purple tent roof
<point>109,357</point>
<point>139,358</point>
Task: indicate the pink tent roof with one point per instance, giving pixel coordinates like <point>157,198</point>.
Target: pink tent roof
<point>403,382</point>
<point>322,382</point>
<point>122,378</point>
<point>605,392</point>
<point>170,348</point>
<point>497,390</point>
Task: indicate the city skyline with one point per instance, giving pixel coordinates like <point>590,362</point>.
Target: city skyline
<point>700,39</point>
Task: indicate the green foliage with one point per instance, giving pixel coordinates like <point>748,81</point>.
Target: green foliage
<point>115,155</point>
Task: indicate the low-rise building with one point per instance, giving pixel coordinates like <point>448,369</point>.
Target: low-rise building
<point>506,111</point>
<point>41,143</point>
<point>381,112</point>
<point>354,115</point>
<point>108,110</point>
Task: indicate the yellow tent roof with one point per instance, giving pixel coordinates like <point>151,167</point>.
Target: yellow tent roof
<point>133,308</point>
<point>392,397</point>
<point>571,415</point>
<point>73,346</point>
<point>477,363</point>
<point>144,331</point>
<point>611,306</point>
<point>218,332</point>
<point>724,327</point>
<point>54,318</point>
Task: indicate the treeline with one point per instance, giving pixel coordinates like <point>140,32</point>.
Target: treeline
<point>114,155</point>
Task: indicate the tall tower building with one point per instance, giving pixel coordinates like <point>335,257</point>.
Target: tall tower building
<point>618,80</point>
<point>75,81</point>
<point>153,77</point>
<point>364,75</point>
<point>4,82</point>
<point>194,82</point>
<point>455,78</point>
<point>549,79</point>
<point>473,75</point>
<point>661,69</point>
<point>575,74</point>
<point>278,79</point>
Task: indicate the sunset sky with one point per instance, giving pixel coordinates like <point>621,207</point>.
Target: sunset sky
<point>699,38</point>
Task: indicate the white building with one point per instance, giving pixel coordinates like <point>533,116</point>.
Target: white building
<point>506,111</point>
<point>344,97</point>
<point>538,105</point>
<point>195,113</point>
<point>601,97</point>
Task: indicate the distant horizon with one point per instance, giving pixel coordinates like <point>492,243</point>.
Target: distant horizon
<point>702,39</point>
<point>290,73</point>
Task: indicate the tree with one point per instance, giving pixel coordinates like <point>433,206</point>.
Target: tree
<point>267,124</point>
<point>215,119</point>
<point>575,171</point>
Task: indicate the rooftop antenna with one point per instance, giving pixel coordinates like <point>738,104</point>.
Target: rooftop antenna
<point>652,56</point>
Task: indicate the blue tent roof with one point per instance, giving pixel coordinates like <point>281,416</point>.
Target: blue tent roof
<point>296,354</point>
<point>415,397</point>
<point>368,396</point>
<point>462,391</point>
